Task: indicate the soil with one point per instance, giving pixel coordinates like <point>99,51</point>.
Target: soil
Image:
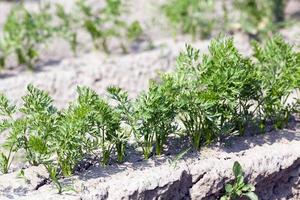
<point>197,175</point>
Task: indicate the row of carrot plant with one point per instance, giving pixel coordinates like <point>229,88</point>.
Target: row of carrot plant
<point>257,18</point>
<point>26,32</point>
<point>208,97</point>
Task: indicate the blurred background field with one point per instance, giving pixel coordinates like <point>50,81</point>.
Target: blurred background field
<point>58,70</point>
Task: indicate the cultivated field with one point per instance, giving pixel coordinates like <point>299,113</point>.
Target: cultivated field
<point>150,99</point>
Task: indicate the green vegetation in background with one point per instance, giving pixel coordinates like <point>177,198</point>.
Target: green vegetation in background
<point>191,16</point>
<point>258,18</point>
<point>208,97</point>
<point>239,188</point>
<point>25,32</point>
<point>261,18</point>
<point>102,24</point>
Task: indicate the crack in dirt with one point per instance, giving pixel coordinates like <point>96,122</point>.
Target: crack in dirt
<point>42,183</point>
<point>199,178</point>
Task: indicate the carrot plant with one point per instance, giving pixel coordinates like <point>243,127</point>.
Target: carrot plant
<point>6,112</point>
<point>87,125</point>
<point>31,132</point>
<point>134,31</point>
<point>188,99</point>
<point>39,124</point>
<point>155,113</point>
<point>105,23</point>
<point>191,16</point>
<point>59,139</point>
<point>66,28</point>
<point>24,33</point>
<point>278,71</point>
<point>231,78</point>
<point>70,138</point>
<point>105,123</point>
<point>260,18</point>
<point>214,91</point>
<point>150,117</point>
<point>53,174</point>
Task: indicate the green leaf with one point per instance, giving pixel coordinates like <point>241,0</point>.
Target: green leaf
<point>21,174</point>
<point>52,170</point>
<point>224,198</point>
<point>251,195</point>
<point>3,163</point>
<point>37,101</point>
<point>237,169</point>
<point>239,193</point>
<point>248,188</point>
<point>6,109</point>
<point>2,62</point>
<point>37,144</point>
<point>4,124</point>
<point>32,53</point>
<point>228,188</point>
<point>240,180</point>
<point>134,31</point>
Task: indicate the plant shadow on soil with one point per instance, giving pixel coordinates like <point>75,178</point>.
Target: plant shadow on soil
<point>5,75</point>
<point>134,160</point>
<point>20,191</point>
<point>176,145</point>
<point>49,63</point>
<point>254,138</point>
<point>42,66</point>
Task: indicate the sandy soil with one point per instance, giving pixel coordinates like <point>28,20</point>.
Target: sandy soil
<point>198,175</point>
